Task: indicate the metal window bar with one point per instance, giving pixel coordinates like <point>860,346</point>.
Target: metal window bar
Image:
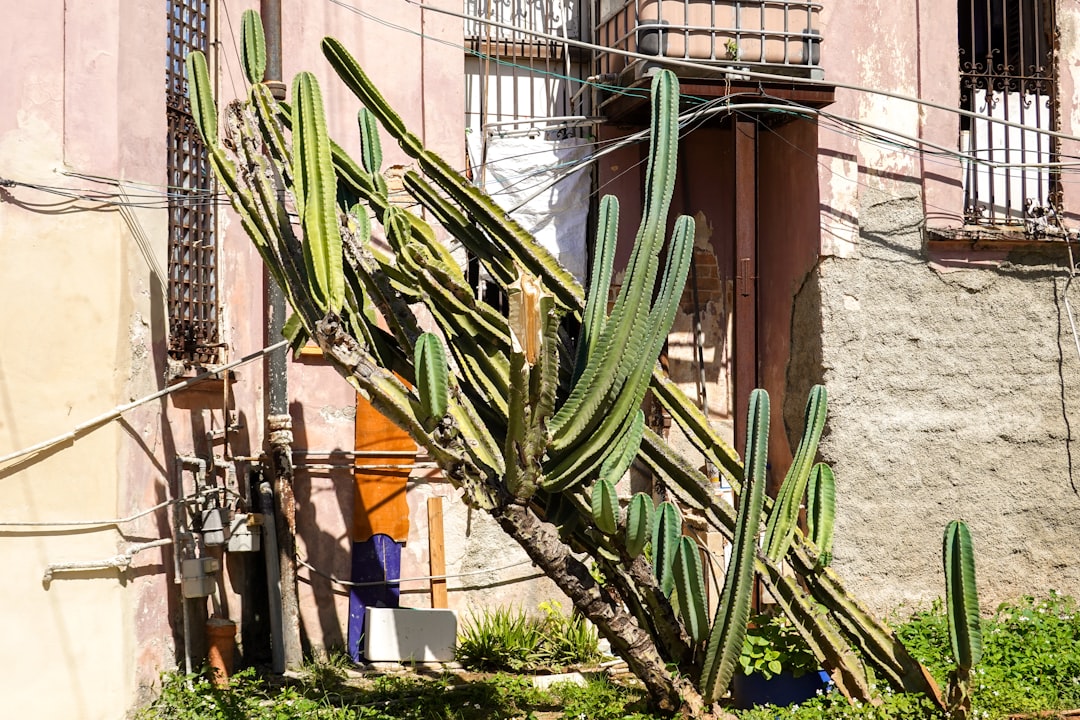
<point>779,36</point>
<point>1007,72</point>
<point>516,80</point>
<point>193,300</point>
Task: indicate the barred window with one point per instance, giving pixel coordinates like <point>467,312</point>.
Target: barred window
<point>1007,72</point>
<point>193,299</point>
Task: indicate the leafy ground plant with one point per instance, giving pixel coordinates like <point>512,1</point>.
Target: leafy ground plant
<point>772,645</point>
<point>510,639</point>
<point>1030,664</point>
<point>1031,655</point>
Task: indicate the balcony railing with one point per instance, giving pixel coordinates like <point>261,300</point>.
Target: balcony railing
<point>775,36</point>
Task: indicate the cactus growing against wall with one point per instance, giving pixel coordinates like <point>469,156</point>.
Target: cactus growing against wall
<point>962,605</point>
<point>534,430</point>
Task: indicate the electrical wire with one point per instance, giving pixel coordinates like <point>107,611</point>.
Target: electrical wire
<point>116,412</point>
<point>728,71</point>
<point>93,523</point>
<point>399,581</point>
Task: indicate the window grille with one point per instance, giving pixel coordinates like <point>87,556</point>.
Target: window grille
<point>193,310</point>
<point>1007,72</point>
<point>517,81</point>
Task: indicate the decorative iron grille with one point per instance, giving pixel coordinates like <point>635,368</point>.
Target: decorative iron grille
<point>193,302</point>
<point>1007,72</point>
<point>518,81</point>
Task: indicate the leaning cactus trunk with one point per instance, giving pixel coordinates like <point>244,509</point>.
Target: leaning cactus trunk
<point>534,429</point>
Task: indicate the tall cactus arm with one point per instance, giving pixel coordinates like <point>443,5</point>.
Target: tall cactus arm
<point>961,595</point>
<point>432,379</point>
<point>252,47</point>
<point>617,348</point>
<point>605,506</point>
<point>821,510</point>
<point>600,279</point>
<point>201,96</point>
<point>504,230</point>
<point>316,193</point>
<point>692,421</point>
<point>690,589</point>
<point>667,529</point>
<point>785,514</point>
<point>577,460</point>
<point>729,625</point>
<point>371,149</point>
<point>639,520</point>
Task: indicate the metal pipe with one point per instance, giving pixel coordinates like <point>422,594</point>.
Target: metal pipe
<point>121,562</point>
<point>273,577</point>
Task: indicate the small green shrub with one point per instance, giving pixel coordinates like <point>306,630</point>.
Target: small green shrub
<point>1030,661</point>
<point>773,645</point>
<point>508,639</point>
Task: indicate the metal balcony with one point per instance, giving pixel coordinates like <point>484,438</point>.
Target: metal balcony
<point>779,37</point>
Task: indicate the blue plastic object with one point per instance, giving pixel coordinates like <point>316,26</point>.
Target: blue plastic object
<point>785,689</point>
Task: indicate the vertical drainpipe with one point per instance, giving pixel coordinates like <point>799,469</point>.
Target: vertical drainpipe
<point>287,653</point>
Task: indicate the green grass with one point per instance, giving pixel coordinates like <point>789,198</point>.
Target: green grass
<point>1031,663</point>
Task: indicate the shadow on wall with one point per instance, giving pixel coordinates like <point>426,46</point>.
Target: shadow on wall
<point>314,480</point>
<point>805,362</point>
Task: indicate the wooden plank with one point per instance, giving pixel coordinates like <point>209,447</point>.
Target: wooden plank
<point>436,552</point>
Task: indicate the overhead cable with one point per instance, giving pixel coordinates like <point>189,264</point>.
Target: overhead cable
<point>116,412</point>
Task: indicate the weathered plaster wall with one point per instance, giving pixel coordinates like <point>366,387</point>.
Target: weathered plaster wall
<point>952,379</point>
<point>82,292</point>
<point>85,331</point>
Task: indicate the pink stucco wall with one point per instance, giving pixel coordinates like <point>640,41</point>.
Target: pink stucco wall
<point>83,91</point>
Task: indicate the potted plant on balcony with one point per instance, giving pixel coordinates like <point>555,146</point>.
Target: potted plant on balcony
<point>776,666</point>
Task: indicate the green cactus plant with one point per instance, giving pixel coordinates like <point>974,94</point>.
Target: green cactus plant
<point>528,420</point>
<point>605,506</point>
<point>821,511</point>
<point>667,530</point>
<point>729,625</point>
<point>252,47</point>
<point>639,520</point>
<point>962,606</point>
<point>690,588</point>
<point>785,513</point>
<point>432,379</point>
